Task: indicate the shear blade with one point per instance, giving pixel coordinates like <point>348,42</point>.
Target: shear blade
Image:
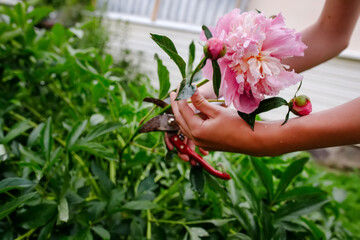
<point>160,123</point>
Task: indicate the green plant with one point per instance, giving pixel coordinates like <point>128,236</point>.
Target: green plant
<point>65,117</point>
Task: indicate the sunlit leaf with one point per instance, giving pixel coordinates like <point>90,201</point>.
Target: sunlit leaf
<point>168,46</point>
<point>164,79</point>
<point>16,130</point>
<point>140,205</point>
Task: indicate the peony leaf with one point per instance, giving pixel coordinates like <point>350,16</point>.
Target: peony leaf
<point>14,183</point>
<point>168,46</point>
<point>248,118</point>
<point>300,193</point>
<point>207,32</point>
<point>185,91</point>
<point>265,176</point>
<point>216,77</point>
<point>264,106</point>
<point>191,58</point>
<point>292,210</point>
<point>290,173</point>
<point>269,104</point>
<point>197,179</point>
<point>163,75</point>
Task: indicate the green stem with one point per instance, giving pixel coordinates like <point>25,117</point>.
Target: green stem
<point>148,229</point>
<point>202,83</point>
<point>112,171</point>
<point>198,67</point>
<point>26,235</point>
<point>148,149</point>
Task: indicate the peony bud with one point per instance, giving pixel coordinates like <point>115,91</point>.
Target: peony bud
<point>301,105</point>
<point>214,49</point>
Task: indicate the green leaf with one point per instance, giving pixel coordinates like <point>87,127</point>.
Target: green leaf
<point>248,118</point>
<point>105,183</point>
<point>207,32</point>
<point>164,79</point>
<point>14,183</point>
<point>197,179</point>
<point>100,130</point>
<point>289,174</point>
<point>264,106</point>
<point>102,232</point>
<point>16,130</point>
<point>96,149</point>
<point>140,205</point>
<point>75,133</point>
<point>239,236</point>
<point>270,103</point>
<point>47,139</point>
<point>265,176</point>
<point>216,77</point>
<point>314,230</point>
<point>35,134</point>
<point>33,156</point>
<point>300,193</point>
<point>243,217</point>
<point>168,46</point>
<point>186,91</point>
<point>36,216</point>
<point>9,207</point>
<point>9,35</point>
<point>298,208</point>
<point>197,232</point>
<point>248,192</point>
<point>38,14</point>
<point>45,232</point>
<point>191,58</point>
<point>63,209</point>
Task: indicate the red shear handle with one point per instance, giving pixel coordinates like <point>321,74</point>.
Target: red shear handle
<point>184,149</point>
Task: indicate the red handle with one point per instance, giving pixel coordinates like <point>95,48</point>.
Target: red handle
<point>184,149</point>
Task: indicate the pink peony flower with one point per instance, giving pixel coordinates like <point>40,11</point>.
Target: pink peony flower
<point>214,48</point>
<point>301,105</point>
<point>251,67</point>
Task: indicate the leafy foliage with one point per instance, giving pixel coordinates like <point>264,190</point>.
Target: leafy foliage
<point>73,167</point>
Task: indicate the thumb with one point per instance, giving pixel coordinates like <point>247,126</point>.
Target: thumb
<point>201,104</point>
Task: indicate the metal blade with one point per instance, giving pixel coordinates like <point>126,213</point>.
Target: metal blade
<point>164,122</point>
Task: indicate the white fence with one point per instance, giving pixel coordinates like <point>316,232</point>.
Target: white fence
<point>196,12</point>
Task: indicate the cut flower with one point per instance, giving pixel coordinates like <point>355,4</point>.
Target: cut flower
<point>251,67</point>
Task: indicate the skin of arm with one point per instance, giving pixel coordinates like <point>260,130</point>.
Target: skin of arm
<point>224,130</point>
<point>337,126</point>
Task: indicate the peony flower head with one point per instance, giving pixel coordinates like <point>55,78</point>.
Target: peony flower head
<point>214,49</point>
<point>301,105</point>
<point>251,67</point>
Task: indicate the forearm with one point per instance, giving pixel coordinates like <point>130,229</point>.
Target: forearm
<point>329,35</point>
<point>333,127</point>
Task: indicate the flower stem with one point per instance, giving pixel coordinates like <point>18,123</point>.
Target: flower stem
<point>198,67</point>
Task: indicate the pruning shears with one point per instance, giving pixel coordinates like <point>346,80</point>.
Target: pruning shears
<point>167,123</point>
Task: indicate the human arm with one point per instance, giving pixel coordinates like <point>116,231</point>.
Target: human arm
<point>329,35</point>
<point>224,130</point>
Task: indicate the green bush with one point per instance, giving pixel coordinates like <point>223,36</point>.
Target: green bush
<point>72,165</point>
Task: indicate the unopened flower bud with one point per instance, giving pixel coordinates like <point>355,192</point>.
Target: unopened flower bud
<point>214,49</point>
<point>301,105</point>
